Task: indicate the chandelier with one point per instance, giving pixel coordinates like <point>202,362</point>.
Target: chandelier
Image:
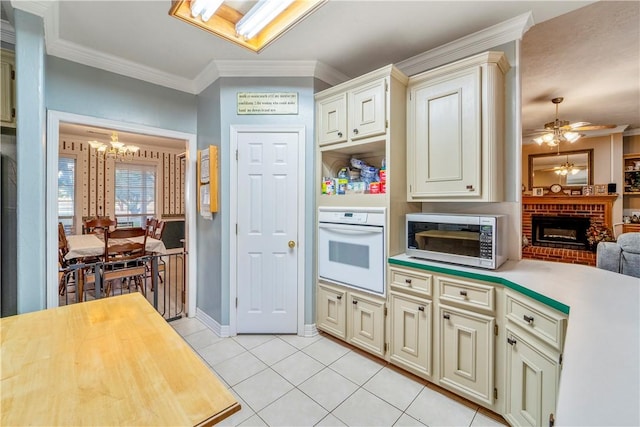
<point>115,148</point>
<point>558,130</point>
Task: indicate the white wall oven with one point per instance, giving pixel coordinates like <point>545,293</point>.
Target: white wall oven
<point>474,240</point>
<point>351,247</point>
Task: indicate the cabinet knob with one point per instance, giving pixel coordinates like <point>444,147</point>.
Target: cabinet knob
<point>528,319</point>
<point>339,134</point>
<point>355,302</point>
<point>470,187</point>
<point>463,293</point>
<point>355,131</point>
<point>407,281</point>
<point>511,341</point>
<point>446,316</point>
<point>339,297</point>
<point>421,308</point>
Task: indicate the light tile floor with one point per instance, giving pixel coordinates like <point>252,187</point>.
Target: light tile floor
<point>286,380</point>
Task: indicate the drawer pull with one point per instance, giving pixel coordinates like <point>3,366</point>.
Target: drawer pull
<point>339,134</point>
<point>355,131</point>
<point>354,302</point>
<point>421,308</point>
<point>511,341</point>
<point>339,297</point>
<point>463,293</point>
<point>407,281</point>
<point>528,319</point>
<point>446,316</point>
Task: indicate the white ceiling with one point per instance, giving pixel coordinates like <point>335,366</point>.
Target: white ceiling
<point>587,52</point>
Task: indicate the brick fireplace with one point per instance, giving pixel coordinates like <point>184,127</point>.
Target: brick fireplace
<point>595,208</point>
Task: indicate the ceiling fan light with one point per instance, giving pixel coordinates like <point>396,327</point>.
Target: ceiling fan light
<point>572,136</point>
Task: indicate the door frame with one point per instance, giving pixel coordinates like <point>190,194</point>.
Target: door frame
<point>54,118</point>
<point>235,130</point>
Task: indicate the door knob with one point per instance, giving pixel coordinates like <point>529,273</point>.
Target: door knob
<point>292,244</point>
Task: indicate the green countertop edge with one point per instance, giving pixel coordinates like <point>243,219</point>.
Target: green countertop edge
<point>563,308</point>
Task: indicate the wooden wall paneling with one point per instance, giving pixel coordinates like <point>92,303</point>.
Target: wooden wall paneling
<point>172,189</point>
<point>183,171</point>
<point>83,181</point>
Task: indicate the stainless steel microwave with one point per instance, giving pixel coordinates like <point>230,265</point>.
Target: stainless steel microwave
<point>473,240</point>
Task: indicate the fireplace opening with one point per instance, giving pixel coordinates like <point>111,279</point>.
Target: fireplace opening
<point>560,232</point>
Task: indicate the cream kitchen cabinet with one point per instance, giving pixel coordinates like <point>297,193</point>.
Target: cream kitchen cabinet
<point>534,343</point>
<point>331,316</point>
<point>411,333</point>
<point>467,353</point>
<point>365,322</point>
<point>354,114</point>
<point>7,88</point>
<point>355,317</point>
<point>455,131</point>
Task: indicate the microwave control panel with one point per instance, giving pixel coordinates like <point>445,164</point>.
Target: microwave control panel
<point>486,241</point>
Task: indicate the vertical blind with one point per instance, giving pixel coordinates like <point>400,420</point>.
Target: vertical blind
<point>135,193</point>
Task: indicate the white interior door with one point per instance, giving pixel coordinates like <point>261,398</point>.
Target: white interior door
<point>267,220</point>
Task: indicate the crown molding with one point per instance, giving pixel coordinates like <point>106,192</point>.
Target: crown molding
<point>33,7</point>
<point>631,132</point>
<point>504,32</point>
<point>7,32</point>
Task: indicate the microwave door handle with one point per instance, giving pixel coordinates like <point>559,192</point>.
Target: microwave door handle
<point>349,230</point>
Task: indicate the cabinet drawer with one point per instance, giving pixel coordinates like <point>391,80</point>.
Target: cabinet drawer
<point>536,319</point>
<point>408,280</point>
<point>468,294</point>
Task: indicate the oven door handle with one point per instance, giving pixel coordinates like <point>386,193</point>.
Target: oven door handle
<point>351,229</point>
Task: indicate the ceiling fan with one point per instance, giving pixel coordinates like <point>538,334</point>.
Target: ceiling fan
<point>559,131</point>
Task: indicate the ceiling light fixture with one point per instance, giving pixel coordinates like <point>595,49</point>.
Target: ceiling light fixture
<point>278,17</point>
<point>566,168</point>
<point>205,8</point>
<point>559,130</point>
<point>115,149</point>
<point>259,16</point>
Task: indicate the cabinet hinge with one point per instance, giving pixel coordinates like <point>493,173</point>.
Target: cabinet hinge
<point>385,311</point>
<point>236,229</point>
<point>386,86</point>
<point>386,347</point>
<point>495,330</point>
<point>13,113</point>
<point>236,154</point>
<point>495,393</point>
<point>387,124</point>
<point>13,75</point>
<point>236,302</point>
<point>560,359</point>
<point>552,420</point>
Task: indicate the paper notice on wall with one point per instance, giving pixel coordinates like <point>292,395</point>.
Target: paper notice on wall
<point>205,202</point>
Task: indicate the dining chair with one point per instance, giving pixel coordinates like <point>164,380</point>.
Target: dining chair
<point>63,249</point>
<point>97,225</point>
<point>152,223</point>
<point>124,252</point>
<point>159,230</point>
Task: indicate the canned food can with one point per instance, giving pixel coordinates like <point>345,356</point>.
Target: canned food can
<point>374,188</point>
<point>383,175</point>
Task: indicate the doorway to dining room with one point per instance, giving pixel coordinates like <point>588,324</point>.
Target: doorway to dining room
<point>164,158</point>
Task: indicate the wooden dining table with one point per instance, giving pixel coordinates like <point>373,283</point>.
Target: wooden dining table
<point>91,245</point>
<point>81,246</point>
<point>112,361</point>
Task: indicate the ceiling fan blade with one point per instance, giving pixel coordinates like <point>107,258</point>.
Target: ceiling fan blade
<point>589,126</point>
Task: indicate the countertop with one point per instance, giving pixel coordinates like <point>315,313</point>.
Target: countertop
<point>600,379</point>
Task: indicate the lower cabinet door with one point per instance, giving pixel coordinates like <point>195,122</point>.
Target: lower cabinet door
<point>332,312</point>
<point>467,353</point>
<point>366,323</point>
<point>532,381</point>
<point>411,334</point>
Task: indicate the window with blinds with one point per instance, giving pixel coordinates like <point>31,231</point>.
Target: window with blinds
<point>135,197</point>
<point>66,192</point>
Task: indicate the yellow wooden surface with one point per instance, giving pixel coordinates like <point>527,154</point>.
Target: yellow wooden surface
<point>113,361</point>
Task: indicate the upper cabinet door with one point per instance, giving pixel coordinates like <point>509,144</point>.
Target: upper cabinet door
<point>332,119</point>
<point>367,110</point>
<point>445,134</point>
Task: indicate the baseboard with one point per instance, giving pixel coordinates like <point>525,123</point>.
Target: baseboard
<point>220,330</point>
<point>310,330</point>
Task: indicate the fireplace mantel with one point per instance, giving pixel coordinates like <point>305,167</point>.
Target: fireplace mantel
<point>563,199</point>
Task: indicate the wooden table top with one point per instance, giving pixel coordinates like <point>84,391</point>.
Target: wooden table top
<point>112,361</point>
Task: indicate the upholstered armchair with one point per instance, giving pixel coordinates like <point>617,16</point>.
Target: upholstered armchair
<point>622,256</point>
